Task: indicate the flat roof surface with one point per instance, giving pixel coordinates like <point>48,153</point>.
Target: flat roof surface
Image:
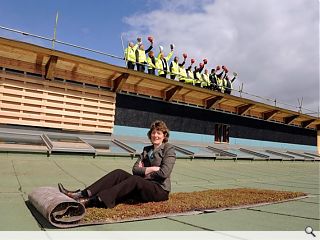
<point>20,173</point>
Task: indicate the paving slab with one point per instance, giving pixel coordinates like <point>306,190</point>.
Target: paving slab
<point>15,215</point>
<point>294,208</point>
<point>246,220</point>
<point>279,186</point>
<point>8,181</point>
<point>36,173</point>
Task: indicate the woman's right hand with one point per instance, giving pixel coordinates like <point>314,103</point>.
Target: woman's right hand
<point>151,170</point>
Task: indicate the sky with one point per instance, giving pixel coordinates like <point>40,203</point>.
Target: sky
<point>273,45</point>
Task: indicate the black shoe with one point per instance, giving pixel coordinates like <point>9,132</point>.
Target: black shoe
<point>88,202</point>
<point>72,194</point>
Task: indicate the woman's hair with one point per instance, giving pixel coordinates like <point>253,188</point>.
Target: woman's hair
<point>159,125</point>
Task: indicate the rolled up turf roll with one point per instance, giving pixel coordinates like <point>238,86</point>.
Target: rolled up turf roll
<point>59,209</point>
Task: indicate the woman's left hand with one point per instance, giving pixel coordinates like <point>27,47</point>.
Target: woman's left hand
<point>141,164</point>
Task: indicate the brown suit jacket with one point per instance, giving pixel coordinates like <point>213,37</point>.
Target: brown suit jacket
<point>163,157</point>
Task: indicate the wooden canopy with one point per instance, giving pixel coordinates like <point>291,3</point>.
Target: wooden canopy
<point>55,65</point>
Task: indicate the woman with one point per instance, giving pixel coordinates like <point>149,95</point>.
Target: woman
<point>150,181</point>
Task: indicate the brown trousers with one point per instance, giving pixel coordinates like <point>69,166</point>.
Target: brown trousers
<point>119,185</point>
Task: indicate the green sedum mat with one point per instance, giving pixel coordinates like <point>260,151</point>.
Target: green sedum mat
<point>183,203</point>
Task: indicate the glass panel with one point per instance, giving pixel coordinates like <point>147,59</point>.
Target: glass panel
<point>201,151</point>
<point>258,151</point>
<point>21,142</point>
<point>21,139</point>
<point>106,146</point>
<point>269,154</point>
<point>57,138</point>
<point>137,145</point>
<point>67,142</point>
<point>239,153</point>
<point>180,154</point>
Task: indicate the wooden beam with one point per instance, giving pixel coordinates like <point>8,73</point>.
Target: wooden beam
<point>50,67</point>
<point>288,120</point>
<point>39,61</point>
<point>169,94</point>
<point>306,123</point>
<point>119,82</point>
<point>244,109</point>
<point>211,101</point>
<point>269,114</point>
<point>20,65</point>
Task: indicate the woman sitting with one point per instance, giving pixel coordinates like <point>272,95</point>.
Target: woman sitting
<point>150,181</point>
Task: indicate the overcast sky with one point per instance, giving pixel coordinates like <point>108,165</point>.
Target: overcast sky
<point>272,44</point>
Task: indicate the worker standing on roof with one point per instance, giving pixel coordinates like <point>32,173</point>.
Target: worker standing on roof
<point>182,71</point>
<point>205,79</point>
<point>229,82</point>
<point>220,77</point>
<point>190,75</point>
<point>151,61</point>
<point>213,79</point>
<point>197,73</point>
<point>225,81</point>
<point>141,55</point>
<point>130,53</point>
<point>175,67</point>
<point>162,63</point>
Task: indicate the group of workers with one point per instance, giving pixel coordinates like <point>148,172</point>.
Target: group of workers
<point>218,79</point>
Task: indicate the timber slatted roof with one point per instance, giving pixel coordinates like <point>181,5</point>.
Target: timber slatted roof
<point>52,64</point>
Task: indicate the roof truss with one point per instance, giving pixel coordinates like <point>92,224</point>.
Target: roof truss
<point>50,67</point>
<point>242,110</point>
<point>119,82</point>
<point>212,101</point>
<point>269,114</point>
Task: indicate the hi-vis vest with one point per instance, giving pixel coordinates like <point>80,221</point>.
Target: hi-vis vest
<point>198,78</point>
<point>183,73</point>
<point>141,56</point>
<point>130,53</point>
<point>150,63</point>
<point>220,84</point>
<point>159,63</point>
<point>206,80</point>
<point>174,68</point>
<point>190,77</point>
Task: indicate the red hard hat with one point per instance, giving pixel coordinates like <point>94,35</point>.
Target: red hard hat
<point>192,60</point>
<point>205,61</point>
<point>150,39</point>
<point>185,55</point>
<point>201,65</point>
